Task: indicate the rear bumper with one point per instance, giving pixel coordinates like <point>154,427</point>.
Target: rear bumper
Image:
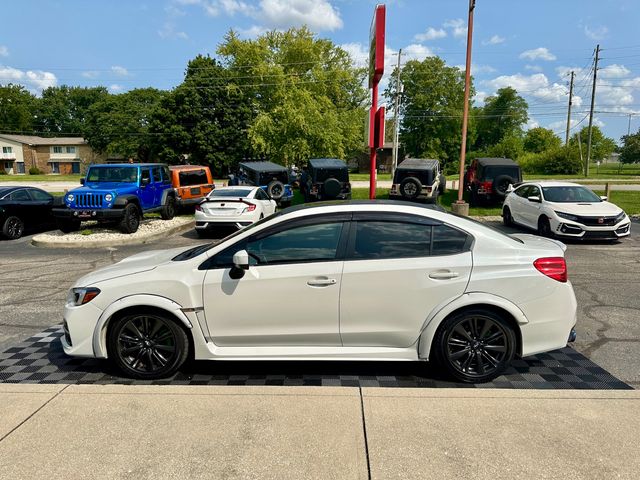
<point>87,214</point>
<point>187,202</point>
<point>208,225</point>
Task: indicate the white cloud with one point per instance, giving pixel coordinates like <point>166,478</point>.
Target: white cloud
<point>533,68</point>
<point>115,88</point>
<point>494,40</point>
<point>614,71</point>
<point>120,71</point>
<point>318,15</point>
<point>457,26</point>
<point>359,55</point>
<point>91,74</point>
<point>231,7</point>
<point>168,30</point>
<point>34,80</point>
<point>531,123</point>
<point>479,97</point>
<point>416,51</point>
<point>252,32</point>
<point>4,51</point>
<point>477,68</point>
<point>597,33</point>
<point>541,53</point>
<point>536,85</point>
<point>430,34</point>
<point>40,79</point>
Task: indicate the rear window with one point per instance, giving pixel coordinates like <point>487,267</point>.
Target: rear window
<point>322,174</point>
<point>491,172</point>
<point>236,192</point>
<point>193,177</point>
<point>268,177</point>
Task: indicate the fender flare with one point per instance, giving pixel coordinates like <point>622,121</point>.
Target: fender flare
<point>470,299</point>
<point>122,200</point>
<point>143,300</point>
<point>168,192</point>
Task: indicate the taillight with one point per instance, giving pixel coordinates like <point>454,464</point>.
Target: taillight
<point>487,185</point>
<point>251,208</point>
<point>552,267</point>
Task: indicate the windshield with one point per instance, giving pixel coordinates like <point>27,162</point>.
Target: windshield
<point>113,174</point>
<point>233,192</point>
<point>569,194</point>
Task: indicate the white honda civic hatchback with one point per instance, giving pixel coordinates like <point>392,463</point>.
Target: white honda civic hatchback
<point>566,210</point>
<point>348,281</point>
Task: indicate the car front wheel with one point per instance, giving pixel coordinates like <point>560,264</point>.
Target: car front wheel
<point>147,346</point>
<point>13,228</point>
<point>130,219</point>
<point>544,227</point>
<point>475,346</point>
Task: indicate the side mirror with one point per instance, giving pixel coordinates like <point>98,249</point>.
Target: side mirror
<point>241,260</point>
<point>82,180</point>
<point>534,198</point>
<point>604,197</point>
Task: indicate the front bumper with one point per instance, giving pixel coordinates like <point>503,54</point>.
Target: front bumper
<point>570,229</point>
<point>79,325</point>
<point>87,214</point>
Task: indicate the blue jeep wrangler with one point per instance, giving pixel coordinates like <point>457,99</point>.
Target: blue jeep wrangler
<point>118,194</point>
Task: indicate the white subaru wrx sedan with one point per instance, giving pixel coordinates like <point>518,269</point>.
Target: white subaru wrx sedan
<point>349,281</point>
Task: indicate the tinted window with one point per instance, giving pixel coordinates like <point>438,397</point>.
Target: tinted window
<point>534,192</point>
<point>569,194</point>
<point>260,195</point>
<point>523,191</point>
<point>375,240</point>
<point>491,172</point>
<point>233,192</point>
<point>448,241</point>
<point>267,177</point>
<point>112,174</point>
<point>166,175</point>
<point>145,175</point>
<point>306,243</point>
<point>193,177</point>
<point>39,195</point>
<point>20,195</point>
<point>156,175</point>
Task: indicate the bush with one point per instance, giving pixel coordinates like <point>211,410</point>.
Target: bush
<point>35,171</point>
<point>555,161</point>
<point>3,171</point>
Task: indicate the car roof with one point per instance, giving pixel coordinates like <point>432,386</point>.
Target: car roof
<point>128,165</point>
<point>419,163</point>
<point>347,204</point>
<point>496,161</point>
<point>187,167</point>
<point>551,183</point>
<point>263,166</point>
<point>327,163</point>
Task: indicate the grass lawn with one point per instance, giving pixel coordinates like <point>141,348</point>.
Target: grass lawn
<point>41,178</point>
<point>362,177</point>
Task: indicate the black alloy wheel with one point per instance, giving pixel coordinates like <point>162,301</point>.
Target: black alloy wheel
<point>507,219</point>
<point>475,346</point>
<point>13,228</point>
<point>168,210</point>
<point>544,227</point>
<point>130,219</point>
<point>147,346</point>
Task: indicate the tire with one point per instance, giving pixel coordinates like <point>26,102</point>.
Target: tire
<point>442,188</point>
<point>275,189</point>
<point>147,345</point>
<point>410,187</point>
<point>168,210</point>
<point>501,184</point>
<point>544,227</point>
<point>507,219</point>
<point>68,226</point>
<point>130,219</point>
<point>12,228</point>
<point>474,346</point>
<point>331,188</point>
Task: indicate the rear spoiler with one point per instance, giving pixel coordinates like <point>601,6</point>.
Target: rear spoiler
<point>223,199</point>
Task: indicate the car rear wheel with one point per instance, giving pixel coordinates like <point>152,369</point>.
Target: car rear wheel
<point>544,227</point>
<point>475,346</point>
<point>168,209</point>
<point>13,228</point>
<point>410,187</point>
<point>147,346</point>
<point>507,219</point>
<point>130,219</point>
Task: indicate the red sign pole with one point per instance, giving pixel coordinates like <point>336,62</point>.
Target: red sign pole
<point>376,69</point>
<point>372,150</point>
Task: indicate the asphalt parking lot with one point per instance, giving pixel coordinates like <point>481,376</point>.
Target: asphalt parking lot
<point>35,282</point>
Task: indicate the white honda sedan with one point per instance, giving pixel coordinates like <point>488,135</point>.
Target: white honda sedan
<point>234,207</point>
<point>348,281</point>
<point>566,210</point>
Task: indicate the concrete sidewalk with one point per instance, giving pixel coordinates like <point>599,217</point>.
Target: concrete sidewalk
<point>91,431</point>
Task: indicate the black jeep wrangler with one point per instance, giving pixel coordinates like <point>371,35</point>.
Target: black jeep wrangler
<point>271,177</point>
<point>418,178</point>
<point>487,179</point>
<point>325,179</point>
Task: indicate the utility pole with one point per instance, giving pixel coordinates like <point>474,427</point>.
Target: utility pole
<point>394,161</point>
<point>566,140</point>
<point>593,99</point>
<point>629,125</point>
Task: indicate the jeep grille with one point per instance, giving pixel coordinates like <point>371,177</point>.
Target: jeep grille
<point>89,200</point>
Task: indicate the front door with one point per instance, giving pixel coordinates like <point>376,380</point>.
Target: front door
<point>288,297</point>
<point>147,189</point>
<point>397,271</point>
<point>531,210</point>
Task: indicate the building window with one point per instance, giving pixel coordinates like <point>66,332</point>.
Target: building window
<point>7,149</point>
<point>71,149</point>
<point>8,165</point>
<point>19,167</point>
<point>55,167</point>
<point>57,149</point>
<point>75,167</point>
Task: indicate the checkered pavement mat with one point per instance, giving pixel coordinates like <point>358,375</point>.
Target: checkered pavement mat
<point>40,359</point>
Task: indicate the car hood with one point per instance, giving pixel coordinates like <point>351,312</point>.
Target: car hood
<point>116,187</point>
<point>140,262</point>
<point>587,209</point>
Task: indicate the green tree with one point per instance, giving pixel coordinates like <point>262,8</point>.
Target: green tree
<point>119,124</point>
<point>64,109</point>
<point>630,150</point>
<point>16,109</point>
<point>539,139</point>
<point>308,97</point>
<point>431,111</point>
<point>503,115</point>
<point>601,145</point>
<point>510,146</point>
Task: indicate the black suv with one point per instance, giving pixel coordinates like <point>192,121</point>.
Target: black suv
<point>418,178</point>
<point>487,179</point>
<point>271,177</point>
<point>325,179</point>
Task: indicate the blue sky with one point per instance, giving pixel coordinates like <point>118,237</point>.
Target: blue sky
<point>530,45</point>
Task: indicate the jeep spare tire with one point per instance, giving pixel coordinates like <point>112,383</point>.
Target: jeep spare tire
<point>410,187</point>
<point>331,188</point>
<point>501,184</point>
<point>275,189</point>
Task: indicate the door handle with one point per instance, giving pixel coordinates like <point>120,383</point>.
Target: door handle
<point>443,275</point>
<point>322,282</point>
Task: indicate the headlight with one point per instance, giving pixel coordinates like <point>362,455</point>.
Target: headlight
<point>80,296</point>
<point>621,216</point>
<point>567,216</point>
<point>70,198</point>
<point>108,197</point>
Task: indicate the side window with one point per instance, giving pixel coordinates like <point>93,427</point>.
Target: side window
<point>39,195</point>
<point>534,192</point>
<point>166,175</point>
<point>145,175</point>
<point>156,175</point>
<point>307,243</point>
<point>449,241</point>
<point>522,191</point>
<point>20,195</point>
<point>376,240</point>
<point>260,195</point>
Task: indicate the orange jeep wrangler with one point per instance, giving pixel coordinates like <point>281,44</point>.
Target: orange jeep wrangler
<point>191,182</point>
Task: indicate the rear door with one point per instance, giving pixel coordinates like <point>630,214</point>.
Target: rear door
<point>397,270</point>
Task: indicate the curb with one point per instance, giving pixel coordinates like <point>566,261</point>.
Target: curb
<point>112,243</point>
